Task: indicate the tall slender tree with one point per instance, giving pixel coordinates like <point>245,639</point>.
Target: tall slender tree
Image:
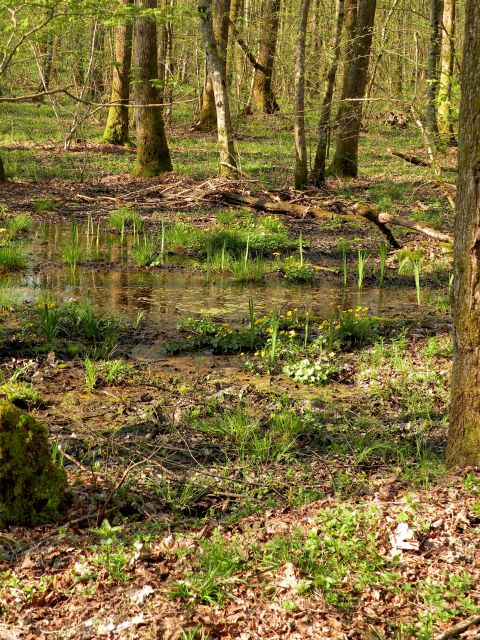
<point>464,434</point>
<point>262,98</point>
<point>319,166</point>
<point>116,129</point>
<point>216,67</point>
<point>153,155</point>
<point>220,25</point>
<point>301,160</point>
<point>447,58</point>
<point>349,118</point>
<point>436,11</point>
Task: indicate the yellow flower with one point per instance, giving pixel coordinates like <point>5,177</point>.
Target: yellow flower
<point>289,313</point>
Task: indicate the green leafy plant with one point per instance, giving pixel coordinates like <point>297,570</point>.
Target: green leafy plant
<point>311,372</point>
<point>145,253</point>
<point>383,252</point>
<point>296,270</point>
<point>12,257</point>
<point>21,223</point>
<point>91,375</point>
<point>125,218</point>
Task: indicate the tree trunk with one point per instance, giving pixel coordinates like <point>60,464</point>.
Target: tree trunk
<point>446,71</point>
<point>351,10</point>
<point>319,167</point>
<point>216,68</point>
<point>153,156</point>
<point>220,26</point>
<point>235,8</point>
<point>262,99</point>
<point>3,177</point>
<point>47,51</point>
<point>165,61</point>
<point>116,129</point>
<point>96,84</point>
<point>349,118</point>
<point>436,7</point>
<point>301,163</point>
<point>464,434</point>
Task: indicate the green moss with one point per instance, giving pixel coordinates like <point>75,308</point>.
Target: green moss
<point>32,488</point>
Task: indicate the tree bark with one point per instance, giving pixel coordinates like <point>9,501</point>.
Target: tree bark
<point>349,118</point>
<point>436,9</point>
<point>301,163</point>
<point>262,99</point>
<point>216,68</point>
<point>464,434</point>
<point>319,166</point>
<point>446,71</point>
<point>153,156</point>
<point>3,177</point>
<point>116,129</point>
<point>235,8</point>
<point>220,26</point>
<point>166,64</point>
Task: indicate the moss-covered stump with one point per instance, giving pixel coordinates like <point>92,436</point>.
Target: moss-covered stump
<point>32,487</point>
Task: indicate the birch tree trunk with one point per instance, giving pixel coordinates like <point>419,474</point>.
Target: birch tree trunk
<point>446,71</point>
<point>324,125</point>
<point>301,161</point>
<point>153,156</point>
<point>217,74</point>
<point>262,99</point>
<point>436,7</point>
<point>464,434</point>
<point>116,129</point>
<point>349,118</point>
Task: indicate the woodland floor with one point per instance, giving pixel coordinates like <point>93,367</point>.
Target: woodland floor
<point>245,504</point>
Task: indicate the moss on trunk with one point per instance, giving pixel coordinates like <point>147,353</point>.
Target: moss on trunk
<point>32,487</point>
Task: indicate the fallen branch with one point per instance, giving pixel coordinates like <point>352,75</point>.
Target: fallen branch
<point>302,211</point>
<point>398,221</point>
<point>418,162</point>
<point>35,96</point>
<point>453,632</point>
<point>244,47</point>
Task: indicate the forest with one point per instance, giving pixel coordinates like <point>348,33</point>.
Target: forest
<point>239,319</point>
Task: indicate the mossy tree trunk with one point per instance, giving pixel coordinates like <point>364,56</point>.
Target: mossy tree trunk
<point>301,161</point>
<point>436,11</point>
<point>446,71</point>
<point>116,129</point>
<point>262,99</point>
<point>319,166</point>
<point>32,487</point>
<point>208,114</point>
<point>153,155</point>
<point>349,118</point>
<point>217,74</point>
<point>464,434</point>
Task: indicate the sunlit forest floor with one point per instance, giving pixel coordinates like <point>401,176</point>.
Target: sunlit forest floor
<point>251,408</point>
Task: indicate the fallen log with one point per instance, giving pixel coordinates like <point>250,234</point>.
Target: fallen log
<point>418,162</point>
<point>398,221</point>
<point>456,630</point>
<point>361,212</point>
<point>302,211</point>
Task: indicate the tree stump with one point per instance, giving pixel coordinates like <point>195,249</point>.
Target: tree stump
<point>32,487</point>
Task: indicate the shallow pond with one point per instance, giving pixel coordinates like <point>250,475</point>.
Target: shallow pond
<point>165,295</point>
